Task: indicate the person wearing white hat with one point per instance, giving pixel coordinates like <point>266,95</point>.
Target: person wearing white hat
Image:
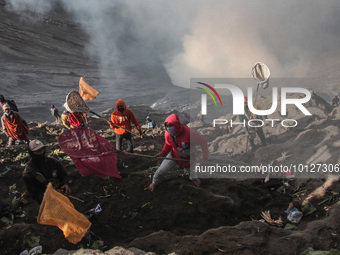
<point>40,170</point>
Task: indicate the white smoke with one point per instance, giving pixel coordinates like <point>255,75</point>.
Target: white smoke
<point>197,38</point>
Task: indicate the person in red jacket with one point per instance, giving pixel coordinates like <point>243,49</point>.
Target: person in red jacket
<point>178,145</point>
<point>13,125</point>
<point>123,118</point>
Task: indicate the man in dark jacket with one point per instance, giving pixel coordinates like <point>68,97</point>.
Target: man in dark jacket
<point>40,170</point>
<point>55,113</point>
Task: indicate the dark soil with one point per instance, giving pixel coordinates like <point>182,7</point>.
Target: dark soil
<point>129,210</point>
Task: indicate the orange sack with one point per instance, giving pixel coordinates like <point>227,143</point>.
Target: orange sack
<point>57,210</point>
<point>86,91</point>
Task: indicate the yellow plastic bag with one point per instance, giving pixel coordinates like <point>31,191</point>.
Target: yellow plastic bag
<point>57,210</point>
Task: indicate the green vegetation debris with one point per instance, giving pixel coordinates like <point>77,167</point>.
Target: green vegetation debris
<point>12,188</point>
<point>311,251</point>
<point>3,174</point>
<point>145,204</point>
<point>57,152</point>
<point>301,192</point>
<point>31,241</point>
<point>330,198</point>
<point>6,221</point>
<point>97,244</point>
<point>151,169</point>
<point>309,209</point>
<point>290,226</point>
<point>22,156</point>
<point>15,203</point>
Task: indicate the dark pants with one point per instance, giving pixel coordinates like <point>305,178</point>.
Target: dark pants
<point>119,139</point>
<point>57,117</point>
<point>259,132</point>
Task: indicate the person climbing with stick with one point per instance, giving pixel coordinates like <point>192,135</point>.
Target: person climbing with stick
<point>261,74</point>
<point>251,131</point>
<point>178,145</point>
<point>121,120</point>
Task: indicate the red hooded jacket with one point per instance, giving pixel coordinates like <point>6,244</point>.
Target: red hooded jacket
<point>183,138</point>
<point>123,119</point>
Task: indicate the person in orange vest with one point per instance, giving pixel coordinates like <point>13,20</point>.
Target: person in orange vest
<point>123,118</point>
<point>13,125</point>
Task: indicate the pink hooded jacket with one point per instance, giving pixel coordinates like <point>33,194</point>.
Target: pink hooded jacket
<point>183,138</point>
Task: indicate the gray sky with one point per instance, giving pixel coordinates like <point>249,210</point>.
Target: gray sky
<point>216,38</point>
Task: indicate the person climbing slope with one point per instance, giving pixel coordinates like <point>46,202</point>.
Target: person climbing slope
<point>179,144</point>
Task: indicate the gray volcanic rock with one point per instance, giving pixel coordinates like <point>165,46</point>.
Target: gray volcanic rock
<point>43,55</point>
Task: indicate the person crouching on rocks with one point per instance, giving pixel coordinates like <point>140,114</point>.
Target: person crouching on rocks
<point>177,145</point>
<point>40,170</point>
<point>13,125</point>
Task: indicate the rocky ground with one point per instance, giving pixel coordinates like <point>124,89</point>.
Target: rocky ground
<point>221,217</point>
<point>43,55</point>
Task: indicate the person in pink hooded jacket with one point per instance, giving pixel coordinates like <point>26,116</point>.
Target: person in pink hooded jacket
<point>178,145</point>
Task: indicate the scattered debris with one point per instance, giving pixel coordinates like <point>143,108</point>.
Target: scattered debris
<point>327,208</point>
<point>31,241</point>
<point>3,174</point>
<point>290,226</point>
<point>266,216</point>
<point>284,156</point>
<point>94,211</point>
<point>34,251</point>
<point>295,216</point>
